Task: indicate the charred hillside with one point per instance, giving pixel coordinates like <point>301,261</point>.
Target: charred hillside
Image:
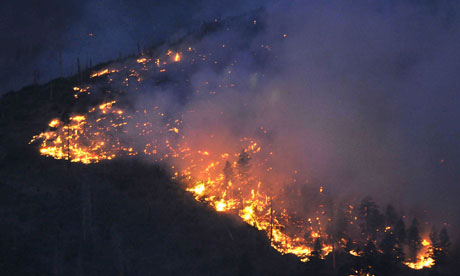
<point>112,218</point>
<point>120,218</point>
<point>123,217</point>
<point>122,206</point>
<point>116,217</point>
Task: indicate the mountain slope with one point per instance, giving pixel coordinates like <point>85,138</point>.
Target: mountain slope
<point>123,217</point>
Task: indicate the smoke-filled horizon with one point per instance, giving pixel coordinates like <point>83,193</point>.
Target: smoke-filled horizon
<point>358,99</point>
<point>361,98</point>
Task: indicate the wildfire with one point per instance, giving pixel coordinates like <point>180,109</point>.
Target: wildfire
<point>361,273</point>
<point>237,179</point>
<point>143,60</point>
<point>83,140</point>
<point>81,90</point>
<point>354,253</point>
<point>103,72</point>
<point>54,123</point>
<point>424,259</point>
<point>227,182</point>
<point>177,57</point>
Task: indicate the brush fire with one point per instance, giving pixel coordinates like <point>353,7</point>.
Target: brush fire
<point>238,178</point>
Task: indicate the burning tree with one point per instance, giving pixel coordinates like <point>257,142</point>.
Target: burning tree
<point>372,220</point>
<point>413,239</point>
<point>440,245</point>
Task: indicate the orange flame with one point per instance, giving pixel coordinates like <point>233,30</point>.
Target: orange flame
<point>230,180</point>
<point>424,259</point>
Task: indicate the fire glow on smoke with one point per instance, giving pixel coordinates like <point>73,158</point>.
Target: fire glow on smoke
<point>234,178</point>
<point>227,180</point>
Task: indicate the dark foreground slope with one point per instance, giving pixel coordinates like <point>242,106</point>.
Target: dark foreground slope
<point>120,218</point>
<point>113,218</point>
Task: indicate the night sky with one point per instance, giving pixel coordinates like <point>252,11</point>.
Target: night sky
<point>34,32</point>
<point>398,63</point>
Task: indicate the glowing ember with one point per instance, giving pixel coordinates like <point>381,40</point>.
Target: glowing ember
<point>354,253</point>
<point>103,72</point>
<point>81,90</point>
<point>361,273</point>
<point>177,57</point>
<point>143,60</point>
<point>54,123</point>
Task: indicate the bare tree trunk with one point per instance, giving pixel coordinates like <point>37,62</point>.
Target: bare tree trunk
<point>68,148</point>
<point>271,219</point>
<point>51,91</point>
<point>79,70</point>
<point>60,63</point>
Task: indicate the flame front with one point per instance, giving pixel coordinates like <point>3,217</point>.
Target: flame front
<point>238,178</point>
<point>228,181</point>
<point>424,259</point>
<point>83,140</point>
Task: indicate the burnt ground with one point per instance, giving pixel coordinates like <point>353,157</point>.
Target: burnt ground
<point>112,218</point>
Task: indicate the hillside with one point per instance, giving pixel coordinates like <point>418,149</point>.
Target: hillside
<point>113,218</point>
<point>126,216</point>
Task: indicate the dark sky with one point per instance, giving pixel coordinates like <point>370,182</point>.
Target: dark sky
<point>391,66</point>
<point>34,32</point>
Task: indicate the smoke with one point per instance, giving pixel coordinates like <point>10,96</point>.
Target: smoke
<point>361,98</point>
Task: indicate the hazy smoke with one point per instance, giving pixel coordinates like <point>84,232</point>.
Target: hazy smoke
<point>362,97</point>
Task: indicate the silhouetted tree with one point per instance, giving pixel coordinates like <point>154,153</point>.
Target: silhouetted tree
<point>336,229</point>
<point>243,162</point>
<point>349,246</point>
<point>372,219</point>
<point>369,257</point>
<point>391,216</point>
<point>243,168</point>
<point>413,240</point>
<point>399,232</point>
<point>390,254</point>
<point>315,257</point>
<point>317,248</point>
<point>440,245</point>
<point>434,244</point>
<point>79,70</point>
<point>228,173</point>
<point>444,241</point>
